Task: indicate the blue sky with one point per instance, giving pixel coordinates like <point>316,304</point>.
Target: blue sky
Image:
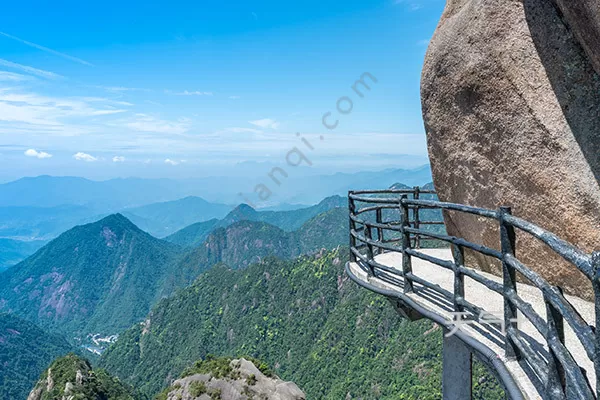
<point>191,88</point>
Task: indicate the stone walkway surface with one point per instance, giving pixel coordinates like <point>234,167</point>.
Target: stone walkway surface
<point>491,302</point>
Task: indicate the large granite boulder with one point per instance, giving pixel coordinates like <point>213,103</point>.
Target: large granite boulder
<point>511,104</point>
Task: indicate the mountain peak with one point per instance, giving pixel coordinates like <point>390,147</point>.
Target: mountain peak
<point>117,220</point>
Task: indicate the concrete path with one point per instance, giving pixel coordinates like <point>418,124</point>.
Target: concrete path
<point>490,301</point>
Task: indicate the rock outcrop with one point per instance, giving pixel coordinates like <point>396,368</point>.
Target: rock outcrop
<point>511,105</point>
<point>242,381</point>
<point>72,378</point>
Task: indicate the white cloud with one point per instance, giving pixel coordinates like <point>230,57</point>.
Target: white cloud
<point>266,123</point>
<point>171,162</point>
<point>413,5</point>
<point>12,77</point>
<point>188,93</point>
<point>28,69</point>
<point>118,159</point>
<point>84,157</point>
<point>119,89</point>
<point>37,154</point>
<point>240,130</point>
<point>235,97</point>
<point>148,123</point>
<point>47,113</point>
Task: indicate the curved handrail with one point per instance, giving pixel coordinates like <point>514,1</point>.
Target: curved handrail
<point>407,232</point>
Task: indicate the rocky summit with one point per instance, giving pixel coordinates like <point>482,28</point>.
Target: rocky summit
<point>239,380</point>
<point>511,106</point>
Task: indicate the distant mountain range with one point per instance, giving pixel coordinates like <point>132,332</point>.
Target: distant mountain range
<point>119,194</point>
<point>162,219</point>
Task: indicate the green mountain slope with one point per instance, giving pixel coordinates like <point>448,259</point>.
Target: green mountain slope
<point>102,277</point>
<point>13,251</point>
<point>95,278</point>
<point>162,219</point>
<point>72,377</point>
<point>246,242</point>
<point>25,350</point>
<point>288,221</point>
<point>305,318</point>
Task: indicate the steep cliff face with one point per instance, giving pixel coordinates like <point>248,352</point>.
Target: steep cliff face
<point>511,104</point>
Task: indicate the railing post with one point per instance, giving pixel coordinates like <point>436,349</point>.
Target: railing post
<point>379,219</point>
<point>416,209</point>
<point>459,281</point>
<point>508,243</point>
<point>406,261</point>
<point>556,383</point>
<point>370,255</point>
<point>352,225</point>
<point>596,285</point>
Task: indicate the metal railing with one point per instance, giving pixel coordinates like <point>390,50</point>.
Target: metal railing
<point>371,233</point>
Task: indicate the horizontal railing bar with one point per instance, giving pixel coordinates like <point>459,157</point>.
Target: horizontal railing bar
<point>452,206</point>
<point>449,265</point>
<point>572,369</point>
<point>458,241</point>
<point>527,310</point>
<point>388,227</point>
<point>376,200</point>
<point>374,208</point>
<point>537,363</point>
<point>582,329</point>
<point>391,191</point>
<point>569,252</point>
<point>490,284</point>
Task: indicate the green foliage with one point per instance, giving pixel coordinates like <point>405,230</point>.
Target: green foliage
<point>96,278</point>
<point>25,350</point>
<point>305,318</point>
<point>218,367</point>
<point>84,382</point>
<point>197,388</point>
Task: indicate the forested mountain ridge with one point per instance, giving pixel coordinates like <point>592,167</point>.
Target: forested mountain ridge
<point>288,221</point>
<point>245,242</point>
<point>25,350</point>
<point>305,318</point>
<point>99,277</point>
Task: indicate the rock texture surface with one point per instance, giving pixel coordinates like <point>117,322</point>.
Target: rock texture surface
<point>247,383</point>
<point>511,104</point>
